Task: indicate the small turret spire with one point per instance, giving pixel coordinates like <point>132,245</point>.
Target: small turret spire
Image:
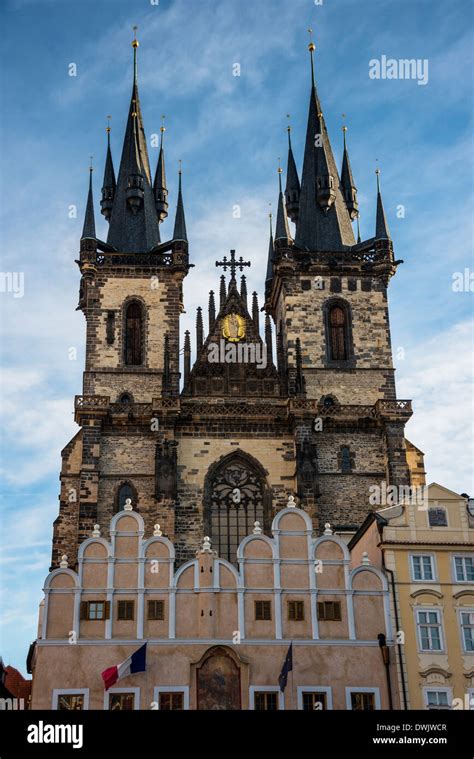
<point>282,230</point>
<point>159,185</point>
<point>271,254</point>
<point>255,313</point>
<point>347,181</point>
<point>381,226</point>
<point>88,230</point>
<point>109,185</point>
<point>243,288</point>
<point>293,188</point>
<point>222,292</point>
<point>180,222</point>
<point>199,330</point>
<point>268,339</point>
<point>187,356</point>
<point>212,311</point>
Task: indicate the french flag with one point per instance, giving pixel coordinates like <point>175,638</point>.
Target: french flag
<point>135,663</point>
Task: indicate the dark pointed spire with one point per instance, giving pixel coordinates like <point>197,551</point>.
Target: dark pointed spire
<point>271,253</point>
<point>88,230</point>
<point>255,314</point>
<point>212,310</point>
<point>243,289</point>
<point>180,222</point>
<point>292,189</point>
<point>381,226</point>
<point>199,330</point>
<point>187,356</point>
<point>323,221</point>
<point>159,185</point>
<point>109,184</point>
<point>134,225</point>
<point>222,292</point>
<point>347,182</point>
<point>282,230</point>
<point>268,339</point>
<point>358,228</point>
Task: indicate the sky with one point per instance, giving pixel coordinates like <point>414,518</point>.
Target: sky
<point>229,132</point>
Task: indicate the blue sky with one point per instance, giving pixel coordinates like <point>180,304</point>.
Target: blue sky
<point>229,132</point>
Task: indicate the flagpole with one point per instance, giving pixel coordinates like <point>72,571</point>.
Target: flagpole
<point>292,670</point>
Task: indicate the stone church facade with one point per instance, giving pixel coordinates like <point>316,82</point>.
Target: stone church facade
<point>210,448</point>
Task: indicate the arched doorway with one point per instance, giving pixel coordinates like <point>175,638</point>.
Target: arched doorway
<point>236,495</point>
<point>218,681</point>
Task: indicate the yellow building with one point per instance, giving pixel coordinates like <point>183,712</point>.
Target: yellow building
<point>426,546</point>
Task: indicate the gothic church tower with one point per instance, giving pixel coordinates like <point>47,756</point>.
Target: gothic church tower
<point>220,446</point>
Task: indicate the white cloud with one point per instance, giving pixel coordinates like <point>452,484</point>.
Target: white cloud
<point>438,375</point>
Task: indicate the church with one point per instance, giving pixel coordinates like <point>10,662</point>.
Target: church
<point>241,476</point>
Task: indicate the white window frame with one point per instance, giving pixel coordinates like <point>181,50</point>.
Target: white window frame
<point>464,610</point>
<point>136,691</point>
<point>70,692</point>
<point>455,577</point>
<point>314,689</point>
<point>253,689</point>
<point>433,566</point>
<point>184,689</point>
<point>438,689</point>
<point>360,689</point>
<point>439,611</point>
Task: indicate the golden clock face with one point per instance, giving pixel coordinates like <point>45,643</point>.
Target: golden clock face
<point>233,327</point>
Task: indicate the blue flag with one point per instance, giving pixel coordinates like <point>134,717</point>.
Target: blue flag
<point>287,667</point>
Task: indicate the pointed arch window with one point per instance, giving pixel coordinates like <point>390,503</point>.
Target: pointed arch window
<point>236,498</point>
<point>125,491</point>
<point>338,328</point>
<point>134,334</point>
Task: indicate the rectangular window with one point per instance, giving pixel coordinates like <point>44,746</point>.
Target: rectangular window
<point>422,568</point>
<point>156,610</point>
<point>95,610</point>
<point>467,629</point>
<point>121,701</point>
<point>437,699</point>
<point>171,701</point>
<point>429,627</point>
<point>437,518</point>
<point>263,610</point>
<point>266,701</point>
<point>464,568</point>
<point>70,702</point>
<point>296,611</point>
<point>362,702</point>
<point>313,701</point>
<point>329,611</point>
<point>126,610</point>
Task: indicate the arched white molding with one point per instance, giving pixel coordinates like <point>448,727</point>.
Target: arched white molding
<point>291,510</point>
<point>87,542</point>
<point>249,539</point>
<point>60,571</point>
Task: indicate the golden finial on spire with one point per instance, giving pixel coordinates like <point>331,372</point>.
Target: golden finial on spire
<point>344,128</point>
<point>162,127</point>
<point>180,170</point>
<point>135,42</point>
<point>311,46</point>
<point>91,168</point>
<point>289,125</point>
<point>107,128</point>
